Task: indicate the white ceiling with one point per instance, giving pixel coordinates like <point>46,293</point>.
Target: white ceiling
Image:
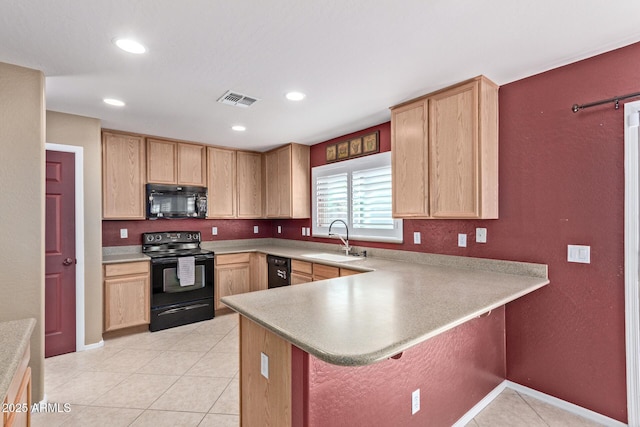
<point>353,58</point>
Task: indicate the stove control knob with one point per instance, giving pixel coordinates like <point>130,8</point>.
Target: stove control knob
<point>178,235</point>
<point>158,237</point>
<point>149,238</point>
<point>188,236</point>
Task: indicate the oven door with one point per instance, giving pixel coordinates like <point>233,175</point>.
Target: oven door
<point>165,285</point>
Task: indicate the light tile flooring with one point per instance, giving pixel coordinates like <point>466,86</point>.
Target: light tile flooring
<point>188,376</point>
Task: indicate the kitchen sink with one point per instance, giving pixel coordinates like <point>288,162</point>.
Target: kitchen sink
<point>333,257</point>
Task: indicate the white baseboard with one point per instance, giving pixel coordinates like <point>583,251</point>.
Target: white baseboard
<point>553,401</point>
<point>471,414</point>
<point>564,405</point>
<point>92,346</point>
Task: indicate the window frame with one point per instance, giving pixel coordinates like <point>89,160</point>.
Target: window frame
<point>394,235</point>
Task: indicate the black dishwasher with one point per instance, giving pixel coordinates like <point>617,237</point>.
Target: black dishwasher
<point>279,271</point>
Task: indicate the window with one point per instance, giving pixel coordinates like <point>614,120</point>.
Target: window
<point>357,191</point>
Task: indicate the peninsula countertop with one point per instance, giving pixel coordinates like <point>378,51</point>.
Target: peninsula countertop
<point>14,336</point>
<point>394,305</point>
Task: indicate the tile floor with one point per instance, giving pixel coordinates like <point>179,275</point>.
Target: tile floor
<point>188,376</point>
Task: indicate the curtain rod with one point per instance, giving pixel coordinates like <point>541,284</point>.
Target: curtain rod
<point>575,108</point>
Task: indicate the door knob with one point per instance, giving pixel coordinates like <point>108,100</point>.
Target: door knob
<point>67,261</point>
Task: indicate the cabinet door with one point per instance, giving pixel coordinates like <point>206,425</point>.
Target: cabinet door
<point>161,161</point>
<point>123,170</point>
<point>249,182</point>
<point>221,183</point>
<point>126,301</point>
<point>300,181</point>
<point>453,152</point>
<point>299,278</point>
<point>348,272</point>
<point>284,182</point>
<point>259,272</point>
<point>409,160</point>
<point>231,279</point>
<point>321,272</point>
<point>192,165</point>
<point>272,193</point>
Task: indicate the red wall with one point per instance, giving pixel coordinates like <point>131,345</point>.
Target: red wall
<point>453,371</point>
<point>227,229</point>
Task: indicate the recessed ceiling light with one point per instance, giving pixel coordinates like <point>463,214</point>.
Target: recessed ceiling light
<point>114,102</point>
<point>130,46</point>
<point>239,128</point>
<point>295,96</point>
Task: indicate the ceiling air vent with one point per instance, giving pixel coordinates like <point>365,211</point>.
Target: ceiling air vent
<point>237,99</point>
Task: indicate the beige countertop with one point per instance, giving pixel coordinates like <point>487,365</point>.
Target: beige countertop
<point>125,257</point>
<point>398,303</point>
<point>14,336</point>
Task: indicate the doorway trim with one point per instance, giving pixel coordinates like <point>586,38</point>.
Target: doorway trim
<point>79,232</point>
<point>631,262</point>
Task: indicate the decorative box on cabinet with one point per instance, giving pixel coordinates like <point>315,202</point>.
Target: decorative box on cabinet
<point>127,297</point>
<point>445,153</point>
<point>123,176</point>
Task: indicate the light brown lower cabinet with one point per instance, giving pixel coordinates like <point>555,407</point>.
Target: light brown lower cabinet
<point>304,272</point>
<point>127,297</point>
<point>17,403</point>
<point>301,272</point>
<point>348,272</point>
<point>264,401</point>
<point>322,272</point>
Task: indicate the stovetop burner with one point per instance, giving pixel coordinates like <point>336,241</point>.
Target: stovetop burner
<point>172,244</point>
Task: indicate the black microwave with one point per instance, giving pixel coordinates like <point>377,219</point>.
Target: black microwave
<point>176,201</point>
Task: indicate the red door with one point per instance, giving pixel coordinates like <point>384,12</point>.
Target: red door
<point>60,255</point>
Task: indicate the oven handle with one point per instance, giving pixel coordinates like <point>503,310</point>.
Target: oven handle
<point>179,309</point>
<point>174,260</point>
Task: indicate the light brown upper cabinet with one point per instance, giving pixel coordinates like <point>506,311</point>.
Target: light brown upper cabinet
<point>445,153</point>
<point>123,167</point>
<point>234,184</point>
<point>249,184</point>
<point>170,162</point>
<point>221,187</point>
<point>288,182</point>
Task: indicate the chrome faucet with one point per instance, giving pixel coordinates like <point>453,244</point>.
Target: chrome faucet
<point>346,242</point>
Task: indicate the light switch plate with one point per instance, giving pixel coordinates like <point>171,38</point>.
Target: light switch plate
<point>264,365</point>
<point>462,240</point>
<point>481,235</point>
<point>579,253</point>
<point>279,229</point>
<point>416,237</point>
<point>255,229</point>
<point>214,231</point>
<point>124,233</point>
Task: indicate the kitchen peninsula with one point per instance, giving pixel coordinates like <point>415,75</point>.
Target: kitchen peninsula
<point>352,350</point>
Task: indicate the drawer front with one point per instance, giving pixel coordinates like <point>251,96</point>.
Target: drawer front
<point>325,271</point>
<point>301,266</point>
<point>126,268</point>
<point>233,258</point>
<point>348,272</point>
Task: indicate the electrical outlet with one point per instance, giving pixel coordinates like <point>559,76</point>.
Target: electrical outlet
<point>416,237</point>
<point>279,229</point>
<point>481,235</point>
<point>264,365</point>
<point>578,253</point>
<point>415,401</point>
<point>214,231</point>
<point>255,229</point>
<point>304,231</point>
<point>462,240</point>
<point>124,233</point>
<point>308,231</point>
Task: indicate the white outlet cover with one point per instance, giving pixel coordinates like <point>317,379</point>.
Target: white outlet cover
<point>481,235</point>
<point>304,231</point>
<point>462,240</point>
<point>415,401</point>
<point>308,231</point>
<point>214,231</point>
<point>255,229</point>
<point>416,237</point>
<point>279,229</point>
<point>124,233</point>
<point>579,253</point>
<point>264,365</point>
